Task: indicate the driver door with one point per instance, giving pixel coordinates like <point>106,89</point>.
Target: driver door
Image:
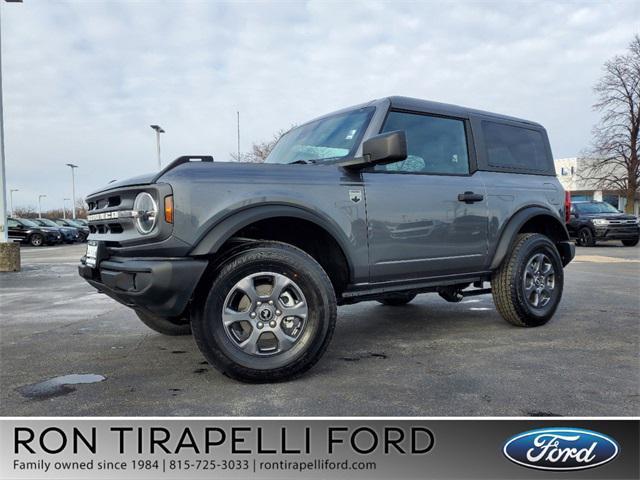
<point>427,215</point>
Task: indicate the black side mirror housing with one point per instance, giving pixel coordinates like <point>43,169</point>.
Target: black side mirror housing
<point>384,148</point>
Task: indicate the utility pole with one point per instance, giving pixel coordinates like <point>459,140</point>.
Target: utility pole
<point>40,205</point>
<point>9,251</point>
<point>11,200</point>
<point>64,208</point>
<point>158,130</point>
<point>238,122</point>
<point>73,188</point>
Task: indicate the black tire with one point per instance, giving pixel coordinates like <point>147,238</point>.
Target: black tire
<point>172,326</point>
<point>279,259</point>
<point>36,240</point>
<point>508,282</point>
<point>632,242</point>
<point>585,237</point>
<point>397,299</point>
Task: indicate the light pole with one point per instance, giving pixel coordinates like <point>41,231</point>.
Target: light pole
<point>73,188</point>
<point>3,176</point>
<point>9,251</point>
<point>64,208</point>
<point>158,130</point>
<point>40,205</point>
<point>11,199</point>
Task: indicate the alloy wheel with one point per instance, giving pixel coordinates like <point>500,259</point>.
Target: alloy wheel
<point>265,314</point>
<point>539,280</point>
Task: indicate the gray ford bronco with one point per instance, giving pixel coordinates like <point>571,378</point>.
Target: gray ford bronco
<point>381,201</point>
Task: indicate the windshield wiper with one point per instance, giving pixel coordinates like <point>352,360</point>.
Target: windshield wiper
<point>302,162</point>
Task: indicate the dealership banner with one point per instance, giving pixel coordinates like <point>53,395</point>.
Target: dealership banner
<point>60,448</point>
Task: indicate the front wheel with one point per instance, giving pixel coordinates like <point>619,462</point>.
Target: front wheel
<point>268,316</point>
<point>632,242</point>
<point>36,240</point>
<point>585,237</point>
<point>527,287</point>
<point>172,326</point>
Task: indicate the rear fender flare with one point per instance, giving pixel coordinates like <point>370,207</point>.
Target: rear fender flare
<point>510,231</point>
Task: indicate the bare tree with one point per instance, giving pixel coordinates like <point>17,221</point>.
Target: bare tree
<point>261,150</point>
<point>612,163</point>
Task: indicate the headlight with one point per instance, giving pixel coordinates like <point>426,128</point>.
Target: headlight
<point>600,221</point>
<point>146,212</point>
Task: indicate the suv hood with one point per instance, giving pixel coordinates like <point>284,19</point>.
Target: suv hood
<point>145,179</point>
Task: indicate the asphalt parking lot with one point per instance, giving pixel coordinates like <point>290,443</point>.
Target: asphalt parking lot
<point>427,358</point>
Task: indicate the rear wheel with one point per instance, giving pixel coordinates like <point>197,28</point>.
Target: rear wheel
<point>397,300</point>
<point>585,237</point>
<point>527,287</point>
<point>172,326</point>
<point>269,314</point>
<point>36,240</point>
<point>631,242</point>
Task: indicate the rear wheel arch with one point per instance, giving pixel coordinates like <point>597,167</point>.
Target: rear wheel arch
<point>530,220</point>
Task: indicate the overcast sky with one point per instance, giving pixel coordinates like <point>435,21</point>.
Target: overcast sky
<point>84,80</point>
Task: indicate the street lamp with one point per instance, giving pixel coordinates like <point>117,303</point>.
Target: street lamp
<point>40,205</point>
<point>64,208</point>
<point>158,130</point>
<point>73,188</point>
<point>11,200</point>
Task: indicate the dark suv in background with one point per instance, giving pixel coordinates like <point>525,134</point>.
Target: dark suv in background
<point>26,231</point>
<point>594,221</point>
<point>381,201</point>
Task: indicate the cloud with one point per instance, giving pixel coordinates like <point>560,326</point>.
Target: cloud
<point>84,80</point>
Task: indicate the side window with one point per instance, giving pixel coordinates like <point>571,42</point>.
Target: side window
<point>515,147</point>
<point>12,223</point>
<point>434,144</point>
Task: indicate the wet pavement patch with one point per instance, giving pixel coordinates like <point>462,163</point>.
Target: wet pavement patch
<point>178,351</point>
<point>363,356</point>
<point>200,370</point>
<point>57,386</point>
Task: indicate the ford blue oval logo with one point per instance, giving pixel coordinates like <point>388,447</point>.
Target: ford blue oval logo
<point>561,449</point>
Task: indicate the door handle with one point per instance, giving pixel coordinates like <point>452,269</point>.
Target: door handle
<point>470,197</point>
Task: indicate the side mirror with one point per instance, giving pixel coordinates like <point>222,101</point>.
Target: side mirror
<point>384,148</point>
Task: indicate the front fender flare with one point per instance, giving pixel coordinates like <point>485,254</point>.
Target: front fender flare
<point>226,228</point>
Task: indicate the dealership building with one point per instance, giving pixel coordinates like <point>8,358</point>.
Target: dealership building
<point>568,171</point>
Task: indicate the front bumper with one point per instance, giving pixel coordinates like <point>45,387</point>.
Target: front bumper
<point>625,232</point>
<point>160,286</point>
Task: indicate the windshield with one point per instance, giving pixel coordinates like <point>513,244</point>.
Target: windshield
<point>28,223</point>
<point>331,137</point>
<point>47,222</point>
<point>595,207</point>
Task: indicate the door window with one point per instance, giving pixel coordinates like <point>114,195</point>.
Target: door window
<point>435,145</point>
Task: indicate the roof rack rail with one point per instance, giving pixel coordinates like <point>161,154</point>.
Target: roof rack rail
<point>180,161</point>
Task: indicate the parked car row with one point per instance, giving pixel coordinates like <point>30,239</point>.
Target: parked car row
<point>44,231</point>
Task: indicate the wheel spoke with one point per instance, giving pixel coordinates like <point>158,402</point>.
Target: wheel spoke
<point>285,342</point>
<point>300,310</point>
<point>230,317</point>
<point>250,345</point>
<point>249,289</point>
<point>280,283</point>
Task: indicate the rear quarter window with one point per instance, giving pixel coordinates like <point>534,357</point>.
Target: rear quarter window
<point>516,148</point>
